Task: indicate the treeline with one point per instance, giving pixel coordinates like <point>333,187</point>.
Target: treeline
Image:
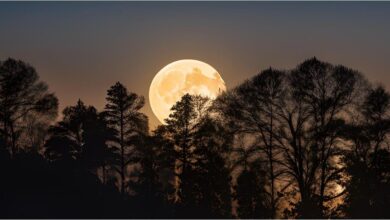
<point>311,142</point>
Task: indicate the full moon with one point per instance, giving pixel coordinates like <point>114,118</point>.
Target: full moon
<point>178,78</point>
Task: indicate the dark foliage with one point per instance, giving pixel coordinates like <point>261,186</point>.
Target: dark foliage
<point>307,143</point>
<point>123,117</point>
<point>250,195</point>
<point>368,162</point>
<point>21,95</point>
<point>36,188</point>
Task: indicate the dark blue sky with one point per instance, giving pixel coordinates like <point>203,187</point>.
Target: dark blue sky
<point>81,48</point>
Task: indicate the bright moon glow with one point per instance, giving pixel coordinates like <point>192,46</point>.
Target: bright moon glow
<point>180,77</point>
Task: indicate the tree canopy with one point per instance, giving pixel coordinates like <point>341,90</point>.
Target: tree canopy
<point>310,142</point>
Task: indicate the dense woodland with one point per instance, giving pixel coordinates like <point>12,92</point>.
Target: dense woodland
<point>310,142</point>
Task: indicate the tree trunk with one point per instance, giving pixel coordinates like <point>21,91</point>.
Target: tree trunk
<point>13,139</point>
<point>104,173</point>
<point>122,155</point>
<point>273,205</point>
<point>5,134</point>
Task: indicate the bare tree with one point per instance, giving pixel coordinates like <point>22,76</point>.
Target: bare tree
<point>320,95</point>
<point>252,109</point>
<point>296,118</point>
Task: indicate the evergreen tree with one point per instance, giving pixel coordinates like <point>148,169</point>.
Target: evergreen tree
<point>213,175</point>
<point>180,130</point>
<point>150,190</point>
<point>66,137</point>
<point>97,153</point>
<point>122,113</point>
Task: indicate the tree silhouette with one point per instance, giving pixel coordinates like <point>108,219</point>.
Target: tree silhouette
<point>311,142</point>
<point>150,189</point>
<point>250,193</point>
<point>66,141</point>
<point>214,178</point>
<point>21,94</point>
<point>180,129</point>
<point>320,94</point>
<point>296,119</point>
<point>122,114</point>
<point>252,109</point>
<point>96,151</point>
<point>195,141</point>
<point>35,130</point>
<point>368,161</point>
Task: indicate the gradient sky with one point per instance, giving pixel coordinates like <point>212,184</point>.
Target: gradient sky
<point>81,48</point>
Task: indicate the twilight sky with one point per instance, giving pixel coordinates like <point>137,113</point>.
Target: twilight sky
<point>81,48</point>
